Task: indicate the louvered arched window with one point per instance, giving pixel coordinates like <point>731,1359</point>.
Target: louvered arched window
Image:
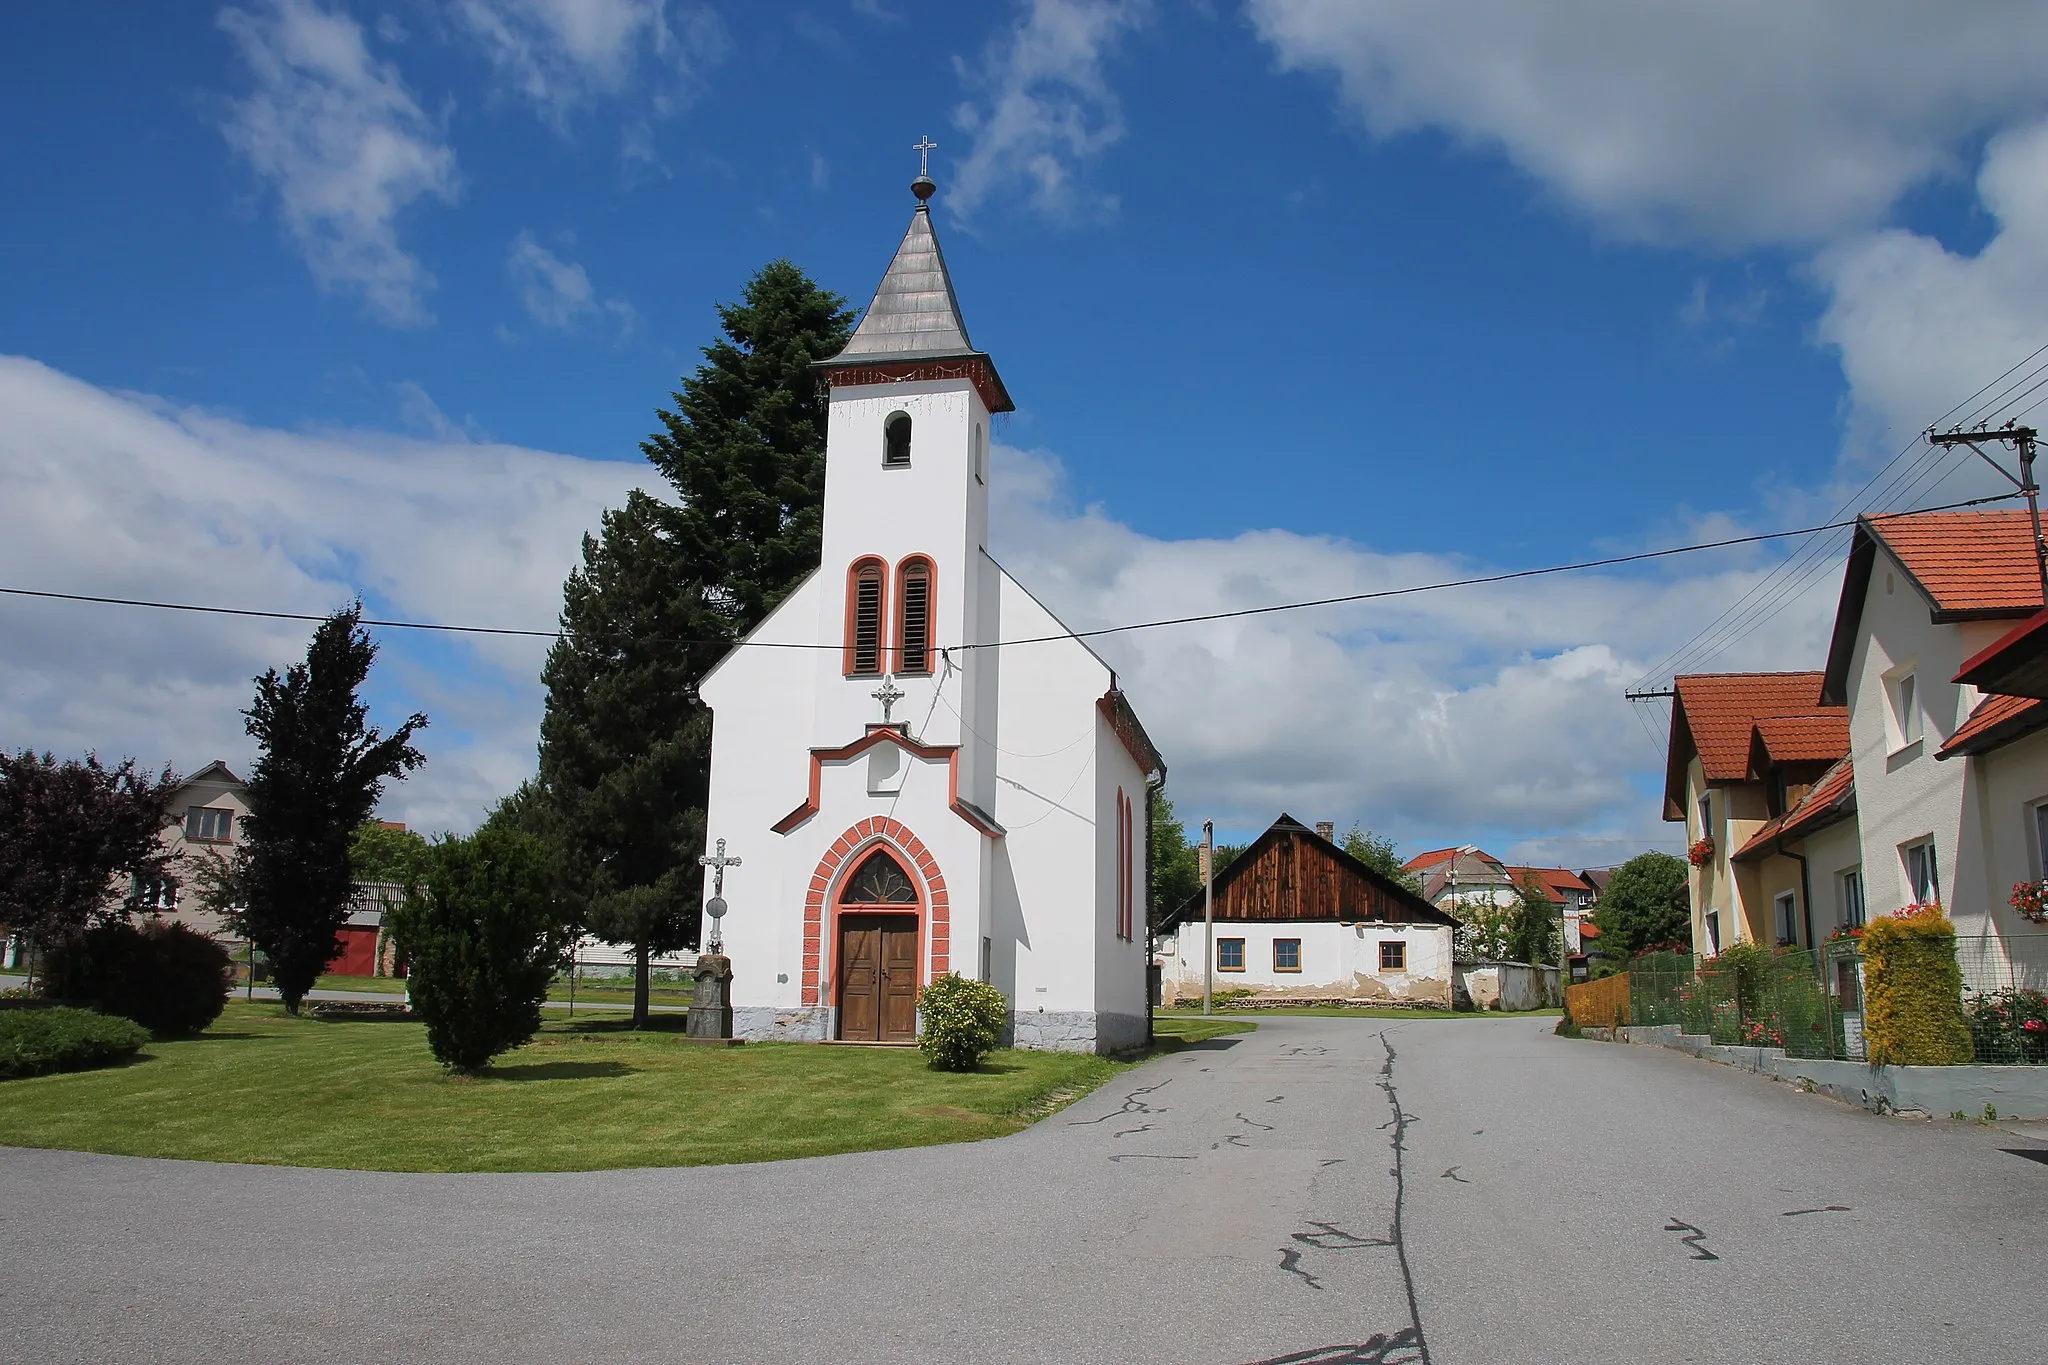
<point>914,616</point>
<point>896,440</point>
<point>864,586</point>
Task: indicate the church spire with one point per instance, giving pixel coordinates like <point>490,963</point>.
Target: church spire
<point>914,321</point>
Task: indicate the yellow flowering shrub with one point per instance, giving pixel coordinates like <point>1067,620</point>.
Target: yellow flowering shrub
<point>1913,990</point>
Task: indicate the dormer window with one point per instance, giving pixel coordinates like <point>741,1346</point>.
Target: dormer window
<point>914,616</point>
<point>864,584</point>
<point>896,441</point>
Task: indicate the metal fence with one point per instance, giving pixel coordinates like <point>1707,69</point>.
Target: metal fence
<point>1810,1001</point>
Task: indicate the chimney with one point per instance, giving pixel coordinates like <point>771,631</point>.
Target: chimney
<point>1327,829</point>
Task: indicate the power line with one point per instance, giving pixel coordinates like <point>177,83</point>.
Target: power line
<point>1378,595</point>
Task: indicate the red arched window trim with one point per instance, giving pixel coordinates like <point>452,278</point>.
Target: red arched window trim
<point>866,590</point>
<point>917,615</point>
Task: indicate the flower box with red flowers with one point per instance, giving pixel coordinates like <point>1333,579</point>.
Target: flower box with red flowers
<point>1701,853</point>
<point>2031,900</point>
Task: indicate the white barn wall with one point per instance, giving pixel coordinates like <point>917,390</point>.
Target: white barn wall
<point>1336,959</point>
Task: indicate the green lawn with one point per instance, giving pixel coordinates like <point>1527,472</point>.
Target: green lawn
<point>1169,1029</point>
<point>586,993</point>
<point>262,1087</point>
<point>380,985</point>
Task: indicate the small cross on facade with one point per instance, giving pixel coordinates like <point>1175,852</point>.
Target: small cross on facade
<point>718,863</point>
<point>924,148</point>
<point>888,694</point>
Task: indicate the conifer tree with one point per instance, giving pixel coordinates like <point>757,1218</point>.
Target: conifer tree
<point>663,591</point>
<point>320,768</point>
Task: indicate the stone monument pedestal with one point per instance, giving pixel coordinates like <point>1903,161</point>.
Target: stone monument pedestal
<point>711,1003</point>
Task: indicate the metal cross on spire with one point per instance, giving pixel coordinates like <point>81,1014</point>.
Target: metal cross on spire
<point>718,862</point>
<point>924,148</point>
<point>888,694</point>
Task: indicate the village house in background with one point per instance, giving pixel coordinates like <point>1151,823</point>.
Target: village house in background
<point>1570,895</point>
<point>1296,916</point>
<point>1913,769</point>
<point>901,808</point>
<point>1462,876</point>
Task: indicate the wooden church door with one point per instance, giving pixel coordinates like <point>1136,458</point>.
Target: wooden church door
<point>878,953</point>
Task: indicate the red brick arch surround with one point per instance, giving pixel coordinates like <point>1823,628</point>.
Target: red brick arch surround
<point>863,836</point>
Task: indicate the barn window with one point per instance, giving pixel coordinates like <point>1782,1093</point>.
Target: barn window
<point>1229,954</point>
<point>1394,955</point>
<point>896,441</point>
<point>1286,954</point>
<point>914,616</point>
<point>864,617</point>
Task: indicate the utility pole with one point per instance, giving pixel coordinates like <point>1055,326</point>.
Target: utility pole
<point>2023,438</point>
<point>1208,913</point>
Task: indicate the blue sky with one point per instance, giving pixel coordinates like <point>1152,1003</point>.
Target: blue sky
<point>1296,297</point>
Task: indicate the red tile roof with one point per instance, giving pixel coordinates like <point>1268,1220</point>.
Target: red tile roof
<point>1979,561</point>
<point>1719,710</point>
<point>1561,885</point>
<point>1816,737</point>
<point>1995,721</point>
<point>2015,664</point>
<point>1827,800</point>
<point>1429,859</point>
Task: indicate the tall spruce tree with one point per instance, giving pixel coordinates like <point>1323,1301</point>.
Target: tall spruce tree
<point>663,591</point>
<point>320,767</point>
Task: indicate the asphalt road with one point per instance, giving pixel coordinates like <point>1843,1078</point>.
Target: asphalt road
<point>1322,1190</point>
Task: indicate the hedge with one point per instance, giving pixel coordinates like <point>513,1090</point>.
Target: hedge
<point>33,1042</point>
<point>166,977</point>
<point>1913,990</point>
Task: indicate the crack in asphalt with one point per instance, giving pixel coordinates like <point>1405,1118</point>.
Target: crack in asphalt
<point>1131,1105</point>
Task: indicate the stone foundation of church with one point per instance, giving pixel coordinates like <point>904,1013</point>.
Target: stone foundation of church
<point>797,1024</point>
<point>1075,1031</point>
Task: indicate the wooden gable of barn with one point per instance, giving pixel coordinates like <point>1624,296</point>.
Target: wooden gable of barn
<point>1292,873</point>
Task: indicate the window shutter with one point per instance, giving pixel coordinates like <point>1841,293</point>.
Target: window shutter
<point>867,620</point>
<point>915,640</point>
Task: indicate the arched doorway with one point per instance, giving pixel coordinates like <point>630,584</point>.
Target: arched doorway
<point>877,922</point>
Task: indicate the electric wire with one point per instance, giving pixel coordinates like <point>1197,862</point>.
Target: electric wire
<point>1237,613</point>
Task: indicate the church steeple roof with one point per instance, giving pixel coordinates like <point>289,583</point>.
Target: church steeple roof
<point>913,329</point>
<point>915,315</point>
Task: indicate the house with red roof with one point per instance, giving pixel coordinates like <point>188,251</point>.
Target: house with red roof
<point>1570,895</point>
<point>1940,654</point>
<point>1745,749</point>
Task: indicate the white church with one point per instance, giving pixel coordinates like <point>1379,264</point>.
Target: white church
<point>906,801</point>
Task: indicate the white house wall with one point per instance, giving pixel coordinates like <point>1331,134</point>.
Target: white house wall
<point>1996,944</point>
<point>1336,959</point>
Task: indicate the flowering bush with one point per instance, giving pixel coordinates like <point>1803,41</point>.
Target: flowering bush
<point>1701,853</point>
<point>2031,900</point>
<point>1913,990</point>
<point>2009,1025</point>
<point>962,1021</point>
<point>1761,1033</point>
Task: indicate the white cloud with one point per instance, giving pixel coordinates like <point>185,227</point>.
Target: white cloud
<point>1742,121</point>
<point>1493,711</point>
<point>1047,108</point>
<point>564,54</point>
<point>345,146</point>
<point>1919,326</point>
<point>558,293</point>
<point>128,496</point>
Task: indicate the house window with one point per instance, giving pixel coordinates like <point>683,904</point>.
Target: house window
<point>1904,693</point>
<point>980,455</point>
<point>1286,954</point>
<point>208,823</point>
<point>864,617</point>
<point>2041,839</point>
<point>1713,933</point>
<point>155,895</point>
<point>988,952</point>
<point>1852,897</point>
<point>896,441</point>
<point>1923,874</point>
<point>1788,919</point>
<point>1706,815</point>
<point>1229,954</point>
<point>914,616</point>
<point>1394,955</point>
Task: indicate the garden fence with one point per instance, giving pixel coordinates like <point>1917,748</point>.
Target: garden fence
<point>1810,1001</point>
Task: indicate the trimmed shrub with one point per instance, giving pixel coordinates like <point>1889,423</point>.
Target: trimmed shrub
<point>33,1042</point>
<point>482,941</point>
<point>960,1021</point>
<point>1913,990</point>
<point>170,979</point>
<point>2009,1025</point>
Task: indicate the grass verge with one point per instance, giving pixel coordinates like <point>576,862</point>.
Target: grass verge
<point>1173,1029</point>
<point>585,1095</point>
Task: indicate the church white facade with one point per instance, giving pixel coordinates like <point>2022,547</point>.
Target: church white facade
<point>907,801</point>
